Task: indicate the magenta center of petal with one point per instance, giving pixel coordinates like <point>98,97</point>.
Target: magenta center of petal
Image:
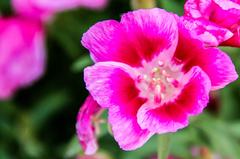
<point>159,81</point>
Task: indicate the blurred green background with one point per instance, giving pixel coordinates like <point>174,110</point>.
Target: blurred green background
<point>39,122</point>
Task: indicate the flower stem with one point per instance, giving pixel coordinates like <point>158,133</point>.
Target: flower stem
<point>163,146</point>
<point>138,4</point>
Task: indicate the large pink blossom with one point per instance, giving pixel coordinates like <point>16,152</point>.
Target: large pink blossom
<point>223,13</point>
<point>22,54</point>
<point>86,130</point>
<point>45,9</point>
<point>151,74</point>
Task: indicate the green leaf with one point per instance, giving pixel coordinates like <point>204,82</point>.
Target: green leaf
<point>228,104</point>
<point>234,129</point>
<point>219,136</point>
<point>4,154</point>
<point>48,105</point>
<point>183,140</point>
<point>26,137</point>
<point>73,148</point>
<point>81,63</point>
<point>172,5</point>
<point>5,7</point>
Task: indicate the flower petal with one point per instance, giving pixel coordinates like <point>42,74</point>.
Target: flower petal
<point>151,31</point>
<point>165,119</point>
<point>234,41</point>
<point>84,126</point>
<point>173,116</point>
<point>46,9</point>
<point>139,36</point>
<point>25,54</point>
<point>126,130</point>
<point>224,13</point>
<point>195,94</point>
<point>213,61</point>
<point>112,85</point>
<point>206,31</point>
<point>198,8</point>
<point>227,14</point>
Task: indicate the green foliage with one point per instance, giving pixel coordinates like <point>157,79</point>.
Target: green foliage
<point>174,6</point>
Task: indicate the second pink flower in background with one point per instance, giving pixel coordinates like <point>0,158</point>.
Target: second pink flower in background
<point>45,9</point>
<point>222,13</point>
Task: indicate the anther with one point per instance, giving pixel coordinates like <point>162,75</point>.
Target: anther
<point>162,96</point>
<point>155,69</point>
<point>160,63</point>
<point>164,72</point>
<point>173,81</point>
<point>170,79</point>
<point>158,89</point>
<point>156,79</point>
<point>145,77</point>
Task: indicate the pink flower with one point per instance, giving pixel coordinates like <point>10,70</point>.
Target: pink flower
<point>85,128</point>
<point>150,74</point>
<point>224,13</point>
<point>206,31</point>
<point>22,54</point>
<point>45,9</point>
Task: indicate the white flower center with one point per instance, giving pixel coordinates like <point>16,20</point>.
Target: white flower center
<point>160,82</point>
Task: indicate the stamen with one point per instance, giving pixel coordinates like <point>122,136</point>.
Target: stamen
<point>163,88</point>
<point>177,60</point>
<point>157,99</point>
<point>145,77</point>
<point>164,72</point>
<point>160,63</point>
<point>159,84</point>
<point>170,79</point>
<point>156,79</point>
<point>157,92</point>
<point>158,89</point>
<point>175,83</point>
<point>162,96</point>
<point>155,69</point>
<point>139,79</point>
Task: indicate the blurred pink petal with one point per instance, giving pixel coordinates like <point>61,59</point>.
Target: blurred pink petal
<point>45,9</point>
<point>85,126</point>
<point>151,74</point>
<point>224,13</point>
<point>22,54</point>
